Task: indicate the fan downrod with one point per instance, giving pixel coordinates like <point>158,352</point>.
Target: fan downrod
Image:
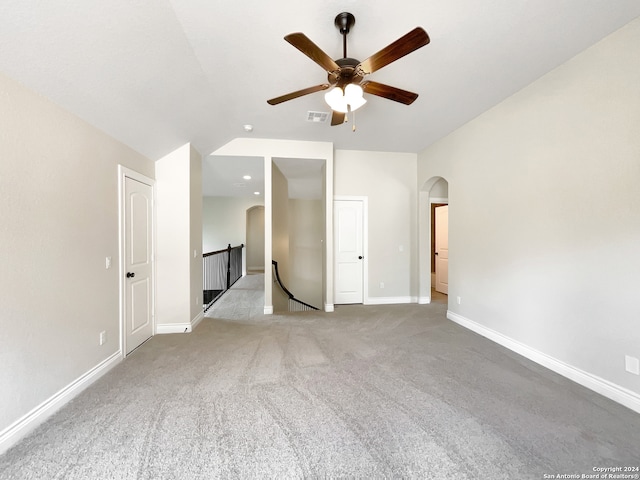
<point>347,73</point>
<point>344,21</point>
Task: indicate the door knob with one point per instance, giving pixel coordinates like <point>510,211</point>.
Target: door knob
<point>360,257</point>
<point>130,274</point>
<point>435,253</point>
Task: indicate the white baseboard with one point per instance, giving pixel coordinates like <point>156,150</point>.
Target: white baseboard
<point>599,385</point>
<point>424,300</point>
<point>26,424</point>
<point>268,310</point>
<point>197,320</point>
<point>165,328</point>
<point>389,300</point>
<point>328,307</point>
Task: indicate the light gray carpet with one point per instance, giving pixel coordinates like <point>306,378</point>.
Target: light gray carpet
<point>365,392</point>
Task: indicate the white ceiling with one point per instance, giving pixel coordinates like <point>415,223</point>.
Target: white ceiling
<point>156,74</point>
<point>224,176</point>
<point>228,173</point>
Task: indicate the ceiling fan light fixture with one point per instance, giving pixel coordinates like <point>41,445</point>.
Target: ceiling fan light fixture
<point>354,96</point>
<point>345,101</point>
<point>335,99</point>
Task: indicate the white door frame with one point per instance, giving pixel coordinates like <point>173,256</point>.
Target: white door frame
<point>365,242</point>
<point>122,173</point>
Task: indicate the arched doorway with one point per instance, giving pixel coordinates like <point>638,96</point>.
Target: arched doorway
<point>434,201</point>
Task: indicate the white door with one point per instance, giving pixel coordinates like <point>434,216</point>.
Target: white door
<point>442,249</point>
<point>348,247</point>
<point>138,257</point>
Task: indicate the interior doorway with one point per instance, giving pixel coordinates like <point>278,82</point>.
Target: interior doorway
<point>442,249</point>
<point>137,260</point>
<point>349,244</point>
<point>437,196</point>
<point>255,239</point>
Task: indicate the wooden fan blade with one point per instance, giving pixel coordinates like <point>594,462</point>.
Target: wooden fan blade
<point>337,118</point>
<point>389,92</point>
<point>311,50</point>
<point>299,93</point>
<point>413,40</point>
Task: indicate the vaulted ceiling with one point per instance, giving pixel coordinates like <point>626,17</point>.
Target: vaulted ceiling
<point>156,74</point>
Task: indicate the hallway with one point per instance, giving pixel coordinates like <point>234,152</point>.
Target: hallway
<point>243,301</point>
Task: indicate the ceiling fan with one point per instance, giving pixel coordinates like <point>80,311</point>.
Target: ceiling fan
<point>347,75</point>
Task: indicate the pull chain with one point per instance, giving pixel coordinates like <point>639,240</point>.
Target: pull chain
<point>346,117</point>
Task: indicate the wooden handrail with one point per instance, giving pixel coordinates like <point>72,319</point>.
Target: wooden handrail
<point>222,251</point>
<point>285,290</point>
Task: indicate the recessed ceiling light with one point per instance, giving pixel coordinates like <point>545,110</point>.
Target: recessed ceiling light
<point>247,177</point>
<point>256,193</point>
<point>248,128</point>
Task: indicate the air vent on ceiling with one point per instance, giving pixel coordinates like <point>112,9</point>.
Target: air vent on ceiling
<point>317,117</point>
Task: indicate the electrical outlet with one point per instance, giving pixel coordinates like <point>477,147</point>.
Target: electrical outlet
<point>459,299</point>
<point>632,364</point>
<point>381,284</point>
<point>107,263</point>
<point>103,337</point>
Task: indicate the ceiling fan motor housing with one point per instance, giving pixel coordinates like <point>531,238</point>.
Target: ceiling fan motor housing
<point>347,74</point>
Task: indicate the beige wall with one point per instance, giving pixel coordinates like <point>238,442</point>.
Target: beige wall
<point>280,234</point>
<point>195,231</point>
<point>255,239</point>
<point>306,234</point>
<point>544,213</point>
<point>59,220</point>
<point>388,180</point>
<point>179,235</point>
<point>173,240</point>
<point>224,221</point>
